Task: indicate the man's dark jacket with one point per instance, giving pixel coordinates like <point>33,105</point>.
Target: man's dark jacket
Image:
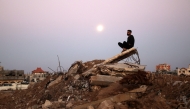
<point>130,41</point>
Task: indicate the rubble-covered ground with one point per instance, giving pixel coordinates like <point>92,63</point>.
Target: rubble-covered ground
<point>138,90</point>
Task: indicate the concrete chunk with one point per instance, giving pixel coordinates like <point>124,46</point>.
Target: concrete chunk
<point>46,104</point>
<point>103,80</point>
<point>107,104</point>
<point>74,68</point>
<point>76,77</point>
<point>55,81</point>
<point>90,107</point>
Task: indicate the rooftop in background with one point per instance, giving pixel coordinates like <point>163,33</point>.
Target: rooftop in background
<point>38,70</point>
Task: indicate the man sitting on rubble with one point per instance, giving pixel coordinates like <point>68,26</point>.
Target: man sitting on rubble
<point>130,41</point>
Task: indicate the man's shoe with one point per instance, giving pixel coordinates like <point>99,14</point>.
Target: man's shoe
<point>123,50</point>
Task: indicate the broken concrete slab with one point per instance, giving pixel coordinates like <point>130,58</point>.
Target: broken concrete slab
<point>120,56</point>
<point>74,67</point>
<point>58,79</point>
<point>125,66</point>
<point>116,98</point>
<point>117,69</point>
<point>103,80</point>
<point>90,71</point>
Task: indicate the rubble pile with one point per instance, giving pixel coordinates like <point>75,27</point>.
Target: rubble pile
<point>102,84</point>
<point>139,90</point>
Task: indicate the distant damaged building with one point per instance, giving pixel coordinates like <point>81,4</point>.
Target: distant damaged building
<point>11,76</point>
<point>163,68</point>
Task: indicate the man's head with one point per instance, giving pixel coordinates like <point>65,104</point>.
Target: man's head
<point>129,32</point>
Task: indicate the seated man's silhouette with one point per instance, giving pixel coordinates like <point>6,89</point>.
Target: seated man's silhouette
<point>130,41</point>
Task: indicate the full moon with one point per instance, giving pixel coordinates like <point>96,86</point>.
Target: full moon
<point>100,27</point>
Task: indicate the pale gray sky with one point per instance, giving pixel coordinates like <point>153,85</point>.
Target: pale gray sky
<point>33,32</point>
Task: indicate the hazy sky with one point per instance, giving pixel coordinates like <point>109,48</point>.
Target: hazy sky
<point>34,32</point>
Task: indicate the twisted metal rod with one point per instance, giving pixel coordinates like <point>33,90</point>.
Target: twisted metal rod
<point>132,58</point>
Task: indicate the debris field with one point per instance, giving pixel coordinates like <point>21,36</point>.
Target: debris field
<point>103,84</point>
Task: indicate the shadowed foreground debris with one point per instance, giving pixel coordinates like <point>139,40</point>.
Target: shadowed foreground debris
<point>139,90</point>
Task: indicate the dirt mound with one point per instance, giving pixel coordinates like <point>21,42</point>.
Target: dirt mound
<point>147,102</point>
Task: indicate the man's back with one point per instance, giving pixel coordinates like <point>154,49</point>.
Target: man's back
<point>131,41</point>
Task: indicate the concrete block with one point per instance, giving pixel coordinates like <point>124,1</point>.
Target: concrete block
<point>103,80</point>
<point>55,81</point>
